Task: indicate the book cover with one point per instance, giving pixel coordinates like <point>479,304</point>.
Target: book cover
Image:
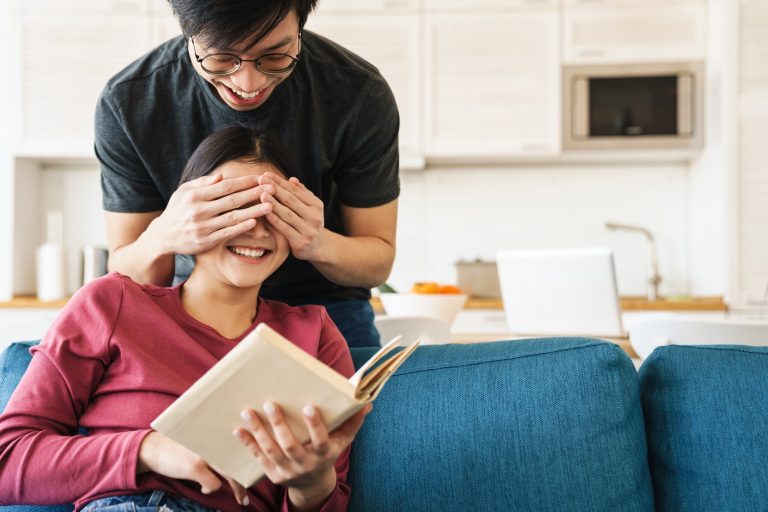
<point>263,367</point>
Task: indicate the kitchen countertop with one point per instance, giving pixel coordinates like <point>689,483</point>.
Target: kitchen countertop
<point>628,303</point>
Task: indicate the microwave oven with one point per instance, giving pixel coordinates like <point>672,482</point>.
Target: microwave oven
<point>639,106</point>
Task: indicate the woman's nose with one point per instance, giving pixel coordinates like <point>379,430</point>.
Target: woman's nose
<point>260,230</point>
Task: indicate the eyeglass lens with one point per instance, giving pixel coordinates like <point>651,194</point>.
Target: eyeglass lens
<point>225,63</point>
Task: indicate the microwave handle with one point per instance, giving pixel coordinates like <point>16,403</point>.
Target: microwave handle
<point>685,104</point>
<point>580,108</point>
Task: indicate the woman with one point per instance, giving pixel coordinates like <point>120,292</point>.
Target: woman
<point>121,352</point>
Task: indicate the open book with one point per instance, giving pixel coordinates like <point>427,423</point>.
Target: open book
<point>263,367</point>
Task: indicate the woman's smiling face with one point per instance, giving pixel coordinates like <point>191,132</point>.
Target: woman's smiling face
<point>248,259</point>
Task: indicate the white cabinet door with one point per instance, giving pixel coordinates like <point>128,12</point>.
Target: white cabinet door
<point>751,194</point>
<point>492,84</point>
<point>625,31</point>
<point>391,43</point>
<point>328,7</point>
<point>446,6</point>
<point>612,3</point>
<point>65,62</point>
<point>83,7</point>
<point>164,23</point>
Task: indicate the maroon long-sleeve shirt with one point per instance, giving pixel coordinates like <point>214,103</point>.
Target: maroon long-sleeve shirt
<point>115,358</point>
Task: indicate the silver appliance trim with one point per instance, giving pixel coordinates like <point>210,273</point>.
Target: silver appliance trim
<point>575,91</point>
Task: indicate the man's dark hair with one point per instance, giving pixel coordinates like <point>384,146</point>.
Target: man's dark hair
<point>227,23</point>
<point>239,143</point>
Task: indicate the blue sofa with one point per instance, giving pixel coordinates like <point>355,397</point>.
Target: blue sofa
<point>559,424</point>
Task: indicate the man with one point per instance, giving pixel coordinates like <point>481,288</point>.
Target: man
<point>251,63</point>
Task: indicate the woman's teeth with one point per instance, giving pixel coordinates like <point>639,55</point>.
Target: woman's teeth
<point>250,253</point>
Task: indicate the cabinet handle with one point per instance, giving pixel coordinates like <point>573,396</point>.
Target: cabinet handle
<point>591,53</point>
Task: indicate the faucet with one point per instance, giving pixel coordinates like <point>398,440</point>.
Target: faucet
<point>654,278</point>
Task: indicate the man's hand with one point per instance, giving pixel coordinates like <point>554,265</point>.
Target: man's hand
<point>207,211</point>
<point>307,470</point>
<point>297,213</point>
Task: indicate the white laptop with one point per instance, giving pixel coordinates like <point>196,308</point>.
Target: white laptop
<point>568,292</point>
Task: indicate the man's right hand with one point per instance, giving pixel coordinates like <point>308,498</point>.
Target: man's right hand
<point>207,211</point>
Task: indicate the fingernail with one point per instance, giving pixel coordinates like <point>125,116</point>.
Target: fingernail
<point>309,411</point>
<point>269,408</point>
<point>237,433</point>
<point>246,415</point>
<point>246,501</point>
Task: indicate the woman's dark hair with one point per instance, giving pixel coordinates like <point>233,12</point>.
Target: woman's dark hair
<point>227,23</point>
<point>237,143</point>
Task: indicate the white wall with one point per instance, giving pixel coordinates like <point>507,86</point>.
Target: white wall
<point>466,213</point>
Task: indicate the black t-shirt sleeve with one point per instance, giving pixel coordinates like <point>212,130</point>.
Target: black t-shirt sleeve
<point>125,183</point>
<point>368,173</point>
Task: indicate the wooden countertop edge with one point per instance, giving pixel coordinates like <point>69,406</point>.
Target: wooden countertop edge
<point>713,303</point>
<point>630,303</point>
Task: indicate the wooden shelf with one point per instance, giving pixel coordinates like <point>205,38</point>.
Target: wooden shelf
<point>30,301</point>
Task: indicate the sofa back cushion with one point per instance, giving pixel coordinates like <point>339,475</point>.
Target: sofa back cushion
<point>706,412</point>
<point>547,425</point>
<point>13,363</point>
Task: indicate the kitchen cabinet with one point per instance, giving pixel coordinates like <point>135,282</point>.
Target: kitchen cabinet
<point>392,43</point>
<point>491,84</point>
<point>62,71</point>
<point>626,31</point>
<point>751,153</point>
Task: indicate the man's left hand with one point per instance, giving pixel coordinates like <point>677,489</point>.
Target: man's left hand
<point>297,213</point>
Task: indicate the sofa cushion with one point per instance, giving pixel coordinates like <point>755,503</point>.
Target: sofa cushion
<point>13,363</point>
<point>706,412</point>
<point>547,425</point>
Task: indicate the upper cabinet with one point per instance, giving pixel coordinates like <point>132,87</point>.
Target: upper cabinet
<point>66,53</point>
<point>473,80</point>
<point>391,41</point>
<point>491,88</point>
<point>626,31</point>
<point>62,72</point>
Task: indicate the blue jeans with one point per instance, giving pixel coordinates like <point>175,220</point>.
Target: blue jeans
<point>155,501</point>
<point>354,318</point>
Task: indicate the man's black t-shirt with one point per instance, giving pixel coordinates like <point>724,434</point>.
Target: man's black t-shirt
<point>335,114</point>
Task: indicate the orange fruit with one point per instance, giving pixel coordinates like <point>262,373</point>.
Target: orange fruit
<point>426,287</point>
<point>449,289</point>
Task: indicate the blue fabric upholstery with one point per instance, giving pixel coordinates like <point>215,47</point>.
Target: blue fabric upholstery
<point>545,425</point>
<point>706,412</point>
<point>13,363</point>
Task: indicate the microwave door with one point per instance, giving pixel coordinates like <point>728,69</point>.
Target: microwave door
<point>638,106</point>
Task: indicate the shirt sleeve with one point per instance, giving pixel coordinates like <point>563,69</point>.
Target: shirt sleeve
<point>368,173</point>
<point>42,461</point>
<point>125,183</point>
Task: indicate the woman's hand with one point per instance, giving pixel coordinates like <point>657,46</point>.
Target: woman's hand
<point>166,457</point>
<point>307,470</point>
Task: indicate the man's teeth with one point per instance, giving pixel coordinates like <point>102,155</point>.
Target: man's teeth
<point>251,253</point>
<point>246,95</point>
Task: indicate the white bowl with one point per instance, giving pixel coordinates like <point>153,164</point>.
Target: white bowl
<point>435,305</point>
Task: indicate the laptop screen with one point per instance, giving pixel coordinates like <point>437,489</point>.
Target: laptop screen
<point>567,292</point>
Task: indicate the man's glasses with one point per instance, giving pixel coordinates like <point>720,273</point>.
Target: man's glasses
<point>227,63</point>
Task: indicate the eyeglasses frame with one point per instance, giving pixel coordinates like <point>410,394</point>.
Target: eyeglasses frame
<point>295,61</point>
